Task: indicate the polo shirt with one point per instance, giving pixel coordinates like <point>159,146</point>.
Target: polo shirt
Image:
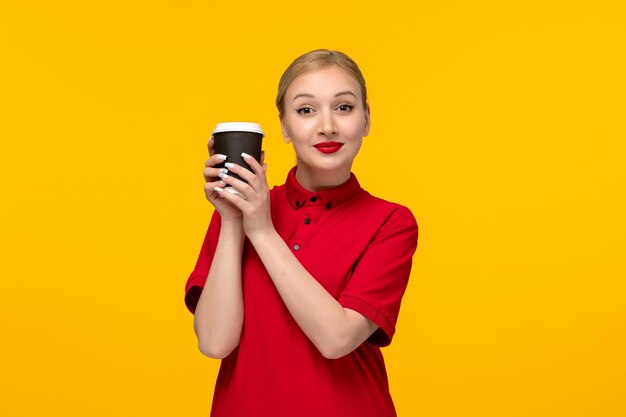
<point>359,248</point>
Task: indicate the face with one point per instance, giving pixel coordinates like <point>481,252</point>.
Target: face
<point>325,121</point>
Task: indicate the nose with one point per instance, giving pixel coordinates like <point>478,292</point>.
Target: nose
<point>327,126</point>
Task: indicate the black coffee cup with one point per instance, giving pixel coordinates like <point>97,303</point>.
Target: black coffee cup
<point>233,138</point>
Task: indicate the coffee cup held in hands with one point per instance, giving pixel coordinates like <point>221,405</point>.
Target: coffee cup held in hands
<point>233,138</point>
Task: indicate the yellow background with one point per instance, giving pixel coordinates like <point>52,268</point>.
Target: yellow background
<point>500,124</point>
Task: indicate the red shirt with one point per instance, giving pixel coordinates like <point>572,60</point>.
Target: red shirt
<point>359,248</point>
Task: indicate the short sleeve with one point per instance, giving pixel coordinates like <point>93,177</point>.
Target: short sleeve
<point>380,276</point>
<point>195,282</point>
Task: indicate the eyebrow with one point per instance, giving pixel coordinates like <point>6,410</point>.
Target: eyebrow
<point>302,95</point>
<point>341,93</point>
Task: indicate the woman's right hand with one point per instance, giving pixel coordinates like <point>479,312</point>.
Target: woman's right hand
<point>226,209</point>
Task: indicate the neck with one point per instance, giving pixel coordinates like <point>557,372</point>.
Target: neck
<point>321,180</point>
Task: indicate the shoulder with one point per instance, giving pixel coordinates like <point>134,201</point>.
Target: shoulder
<point>277,189</point>
<point>278,197</point>
<point>391,214</point>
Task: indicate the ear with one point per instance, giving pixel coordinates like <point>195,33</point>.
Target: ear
<point>286,137</point>
<point>366,129</point>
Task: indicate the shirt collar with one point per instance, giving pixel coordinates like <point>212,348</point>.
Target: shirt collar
<point>299,196</point>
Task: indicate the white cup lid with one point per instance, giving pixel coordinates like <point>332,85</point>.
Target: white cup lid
<point>238,127</point>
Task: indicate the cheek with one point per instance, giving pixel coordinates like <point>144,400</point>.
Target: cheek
<point>301,130</point>
<point>354,129</point>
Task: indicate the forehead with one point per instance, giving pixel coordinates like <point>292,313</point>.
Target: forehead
<point>324,81</point>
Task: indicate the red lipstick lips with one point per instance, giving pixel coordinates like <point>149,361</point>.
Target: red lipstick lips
<point>328,147</point>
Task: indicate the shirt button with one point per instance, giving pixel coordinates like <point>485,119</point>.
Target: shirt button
<point>313,199</point>
<point>307,221</point>
<point>296,247</point>
<point>328,205</point>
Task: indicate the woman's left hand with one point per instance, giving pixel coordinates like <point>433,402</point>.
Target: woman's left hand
<point>256,210</point>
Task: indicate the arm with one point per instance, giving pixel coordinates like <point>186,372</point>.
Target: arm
<point>218,317</point>
<point>334,330</point>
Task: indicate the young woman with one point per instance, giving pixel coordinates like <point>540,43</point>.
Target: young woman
<point>296,288</point>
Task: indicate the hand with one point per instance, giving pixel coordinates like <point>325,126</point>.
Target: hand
<point>255,208</point>
<point>226,209</point>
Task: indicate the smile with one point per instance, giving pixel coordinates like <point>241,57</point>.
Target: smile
<point>328,147</point>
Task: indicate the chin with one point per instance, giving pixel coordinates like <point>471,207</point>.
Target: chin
<point>330,165</point>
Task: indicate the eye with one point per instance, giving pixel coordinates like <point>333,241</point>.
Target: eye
<point>345,107</point>
<point>304,111</point>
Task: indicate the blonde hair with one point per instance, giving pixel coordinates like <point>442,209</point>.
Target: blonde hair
<point>314,60</point>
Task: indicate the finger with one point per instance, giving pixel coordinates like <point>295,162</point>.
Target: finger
<point>241,186</point>
<point>254,164</point>
<point>256,179</point>
<point>251,184</point>
<point>263,163</point>
<point>209,187</point>
<point>237,201</point>
<point>244,173</point>
<point>211,145</point>
<point>214,160</point>
<point>211,174</point>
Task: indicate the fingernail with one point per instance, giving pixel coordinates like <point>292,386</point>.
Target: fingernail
<point>218,189</point>
<point>223,170</point>
<point>229,164</point>
<point>223,175</point>
<point>245,155</point>
<point>222,183</point>
<point>221,157</point>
